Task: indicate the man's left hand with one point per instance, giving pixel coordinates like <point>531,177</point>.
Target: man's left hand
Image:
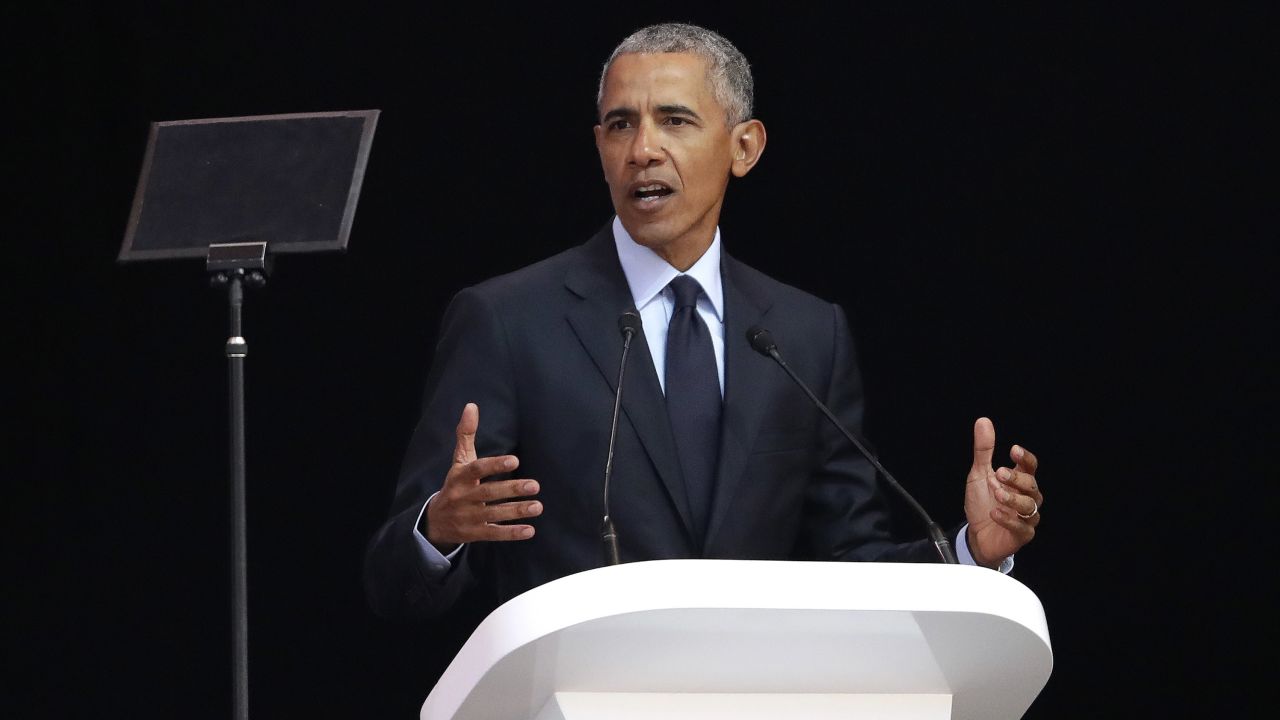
<point>1002,506</point>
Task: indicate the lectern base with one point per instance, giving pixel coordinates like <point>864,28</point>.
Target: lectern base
<point>738,706</point>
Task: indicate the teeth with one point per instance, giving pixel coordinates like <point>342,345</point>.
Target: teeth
<point>650,188</point>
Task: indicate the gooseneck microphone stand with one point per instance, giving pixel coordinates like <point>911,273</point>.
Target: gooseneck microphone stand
<point>234,265</point>
<point>761,341</point>
<point>629,324</point>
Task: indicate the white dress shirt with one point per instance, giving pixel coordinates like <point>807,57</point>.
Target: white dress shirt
<point>648,276</point>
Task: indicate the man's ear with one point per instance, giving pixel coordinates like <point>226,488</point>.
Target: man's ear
<point>599,134</point>
<point>748,145</point>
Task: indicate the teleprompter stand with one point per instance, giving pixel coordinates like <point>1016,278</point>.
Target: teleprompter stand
<point>232,266</point>
<point>237,191</point>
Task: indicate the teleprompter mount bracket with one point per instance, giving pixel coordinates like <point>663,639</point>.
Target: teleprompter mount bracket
<point>248,261</point>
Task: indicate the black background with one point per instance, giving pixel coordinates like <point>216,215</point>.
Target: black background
<point>1060,218</point>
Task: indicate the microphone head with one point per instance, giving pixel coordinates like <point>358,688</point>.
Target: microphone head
<point>761,340</point>
<point>629,323</point>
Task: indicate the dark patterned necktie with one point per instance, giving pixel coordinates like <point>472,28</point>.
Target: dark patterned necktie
<point>693,398</point>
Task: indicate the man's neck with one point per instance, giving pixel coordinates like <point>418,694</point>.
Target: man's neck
<point>682,252</point>
<point>648,273</point>
<point>682,255</point>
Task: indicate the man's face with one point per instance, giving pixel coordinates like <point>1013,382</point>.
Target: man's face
<point>667,151</point>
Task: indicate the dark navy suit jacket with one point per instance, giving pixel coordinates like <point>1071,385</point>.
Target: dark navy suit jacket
<point>538,351</point>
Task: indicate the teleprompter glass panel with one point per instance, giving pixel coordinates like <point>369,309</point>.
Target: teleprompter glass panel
<point>289,180</point>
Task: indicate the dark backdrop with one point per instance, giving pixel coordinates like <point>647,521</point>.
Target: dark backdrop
<point>1056,217</point>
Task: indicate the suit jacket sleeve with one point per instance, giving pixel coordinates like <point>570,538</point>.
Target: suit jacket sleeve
<point>472,364</point>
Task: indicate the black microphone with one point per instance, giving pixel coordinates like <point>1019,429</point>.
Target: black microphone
<point>629,325</point>
<point>762,342</point>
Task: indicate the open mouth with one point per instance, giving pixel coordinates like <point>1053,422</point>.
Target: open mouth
<point>652,192</point>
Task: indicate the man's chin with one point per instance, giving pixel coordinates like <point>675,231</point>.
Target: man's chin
<point>649,232</point>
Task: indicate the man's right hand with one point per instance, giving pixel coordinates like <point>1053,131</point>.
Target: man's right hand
<point>467,509</point>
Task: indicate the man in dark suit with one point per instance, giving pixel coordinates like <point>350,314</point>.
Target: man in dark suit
<point>718,454</point>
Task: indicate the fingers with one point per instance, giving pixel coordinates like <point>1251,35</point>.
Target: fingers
<point>1021,483</point>
<point>984,443</point>
<point>483,521</point>
<point>503,533</point>
<point>466,466</point>
<point>1024,507</point>
<point>476,470</point>
<point>463,514</point>
<point>1022,530</point>
<point>500,490</point>
<point>1019,497</point>
<point>507,511</point>
<point>479,493</point>
<point>464,450</point>
<point>469,510</point>
<point>1025,459</point>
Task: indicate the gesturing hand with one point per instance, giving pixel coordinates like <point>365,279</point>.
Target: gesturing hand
<point>467,509</point>
<point>1002,506</point>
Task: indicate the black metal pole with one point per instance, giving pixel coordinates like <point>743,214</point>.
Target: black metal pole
<point>237,348</point>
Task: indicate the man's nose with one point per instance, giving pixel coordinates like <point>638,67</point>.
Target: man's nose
<point>646,146</point>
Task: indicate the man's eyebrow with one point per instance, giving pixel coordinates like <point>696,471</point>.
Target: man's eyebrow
<point>626,112</point>
<point>622,112</point>
<point>678,110</point>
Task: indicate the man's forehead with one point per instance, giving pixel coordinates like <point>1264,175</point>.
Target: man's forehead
<point>659,78</point>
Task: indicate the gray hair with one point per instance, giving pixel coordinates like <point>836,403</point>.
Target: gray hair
<point>728,71</point>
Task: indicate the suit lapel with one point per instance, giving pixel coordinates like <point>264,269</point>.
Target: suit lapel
<point>745,372</point>
<point>602,287</point>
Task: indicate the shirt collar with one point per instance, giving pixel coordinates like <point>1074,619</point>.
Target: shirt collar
<point>648,274</point>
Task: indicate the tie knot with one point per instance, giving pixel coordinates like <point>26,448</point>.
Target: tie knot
<point>686,290</point>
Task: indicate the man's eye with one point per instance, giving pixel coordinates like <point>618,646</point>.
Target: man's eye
<point>677,121</point>
<point>619,125</point>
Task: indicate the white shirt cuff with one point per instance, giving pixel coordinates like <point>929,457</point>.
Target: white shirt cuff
<point>966,558</point>
<point>437,564</point>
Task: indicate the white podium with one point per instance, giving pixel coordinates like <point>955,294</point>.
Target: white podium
<point>741,640</point>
